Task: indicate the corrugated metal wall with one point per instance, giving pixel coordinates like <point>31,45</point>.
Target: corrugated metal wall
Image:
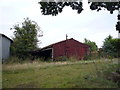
<point>59,50</point>
<point>70,48</point>
<point>4,47</point>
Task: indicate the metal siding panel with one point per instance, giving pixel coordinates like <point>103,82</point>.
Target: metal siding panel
<point>72,47</point>
<point>78,49</point>
<point>5,48</point>
<point>59,50</point>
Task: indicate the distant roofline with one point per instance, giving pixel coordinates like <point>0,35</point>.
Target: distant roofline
<point>6,37</point>
<point>55,43</point>
<point>63,41</point>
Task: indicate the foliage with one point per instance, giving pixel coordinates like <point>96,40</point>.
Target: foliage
<point>91,44</point>
<point>110,6</point>
<point>25,38</point>
<point>92,56</point>
<point>118,25</point>
<point>12,59</point>
<point>16,60</point>
<point>93,50</point>
<point>53,8</point>
<point>72,59</point>
<point>110,68</point>
<point>61,58</point>
<point>111,46</point>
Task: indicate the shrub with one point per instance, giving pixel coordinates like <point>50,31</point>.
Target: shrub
<point>12,59</point>
<point>61,58</point>
<point>72,59</point>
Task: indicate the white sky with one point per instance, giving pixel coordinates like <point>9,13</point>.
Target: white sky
<point>93,25</point>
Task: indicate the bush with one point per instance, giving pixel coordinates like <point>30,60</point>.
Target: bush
<point>15,59</point>
<point>61,58</point>
<point>12,59</point>
<point>110,72</point>
<point>91,56</point>
<point>72,59</point>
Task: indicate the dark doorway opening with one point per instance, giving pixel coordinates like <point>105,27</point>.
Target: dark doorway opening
<point>45,54</point>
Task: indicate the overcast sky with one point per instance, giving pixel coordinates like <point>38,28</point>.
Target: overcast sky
<point>93,25</point>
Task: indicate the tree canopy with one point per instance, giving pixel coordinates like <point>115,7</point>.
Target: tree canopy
<point>111,46</point>
<point>54,8</point>
<point>110,6</point>
<point>91,44</point>
<point>25,38</point>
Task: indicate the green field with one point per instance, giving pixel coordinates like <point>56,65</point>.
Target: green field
<point>67,74</point>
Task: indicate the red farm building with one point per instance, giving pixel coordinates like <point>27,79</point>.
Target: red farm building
<point>68,48</point>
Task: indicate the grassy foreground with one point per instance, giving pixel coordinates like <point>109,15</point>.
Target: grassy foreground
<point>77,74</point>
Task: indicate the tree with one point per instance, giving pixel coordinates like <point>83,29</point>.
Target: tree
<point>25,38</point>
<point>53,8</point>
<point>91,44</point>
<point>107,46</point>
<point>111,46</point>
<point>110,6</point>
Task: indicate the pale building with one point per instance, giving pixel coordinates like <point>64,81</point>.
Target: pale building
<point>5,43</point>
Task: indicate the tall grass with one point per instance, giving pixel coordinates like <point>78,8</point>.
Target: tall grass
<point>17,60</point>
<point>93,72</point>
<point>66,74</point>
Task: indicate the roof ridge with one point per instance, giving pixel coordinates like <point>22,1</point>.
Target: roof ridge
<point>55,43</point>
<point>63,41</point>
<point>6,37</point>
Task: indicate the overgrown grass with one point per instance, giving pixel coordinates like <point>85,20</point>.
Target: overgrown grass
<point>16,60</point>
<point>67,74</point>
